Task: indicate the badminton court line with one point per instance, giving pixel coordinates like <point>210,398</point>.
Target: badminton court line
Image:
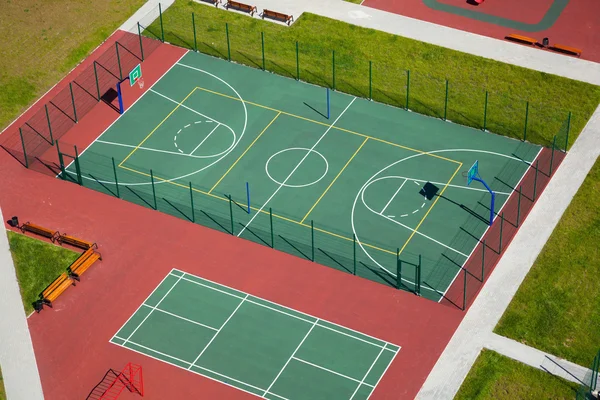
<point>149,149</point>
<point>297,166</point>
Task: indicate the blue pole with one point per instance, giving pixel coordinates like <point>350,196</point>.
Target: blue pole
<point>248,196</point>
<point>327,103</point>
<point>493,198</point>
<point>120,95</point>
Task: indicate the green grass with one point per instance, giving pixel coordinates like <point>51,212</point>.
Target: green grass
<point>37,264</point>
<point>496,377</point>
<point>550,97</point>
<point>2,392</point>
<point>354,1</point>
<point>43,40</point>
<point>557,308</point>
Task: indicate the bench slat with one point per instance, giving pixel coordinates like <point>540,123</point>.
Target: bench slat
<point>73,241</point>
<point>567,49</point>
<point>277,15</point>
<point>241,6</point>
<point>522,39</point>
<point>39,230</point>
<point>55,289</point>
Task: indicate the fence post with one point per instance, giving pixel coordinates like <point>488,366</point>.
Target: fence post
<point>398,269</point>
<point>78,167</point>
<point>483,261</point>
<point>370,80</point>
<point>446,103</point>
<point>153,190</point>
<point>194,29</point>
<point>537,163</point>
<point>262,41</point>
<point>73,101</point>
<point>61,161</point>
<point>407,87</point>
<point>49,125</point>
<point>501,227</point>
<point>526,120</point>
<point>568,131</point>
<point>552,156</point>
<point>333,69</point>
<point>485,111</point>
<point>519,206</point>
<point>297,62</point>
<point>312,238</point>
<point>228,44</point>
<point>354,252</point>
<point>116,180</point>
<point>162,30</point>
<point>25,151</point>
<point>119,61</point>
<point>464,307</point>
<point>419,276</point>
<point>141,44</point>
<point>97,84</point>
<point>271,221</point>
<point>230,212</point>
<point>192,203</point>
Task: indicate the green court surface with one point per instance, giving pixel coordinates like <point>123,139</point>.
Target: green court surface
<point>253,344</point>
<point>214,126</point>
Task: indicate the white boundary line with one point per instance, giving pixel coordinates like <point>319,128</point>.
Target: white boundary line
<point>180,317</point>
<point>362,382</point>
<point>382,375</point>
<point>333,372</point>
<point>204,140</point>
<point>488,227</point>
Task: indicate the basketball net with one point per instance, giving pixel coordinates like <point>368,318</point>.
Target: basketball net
<point>140,83</point>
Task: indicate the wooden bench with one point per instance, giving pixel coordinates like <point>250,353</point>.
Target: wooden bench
<point>241,6</point>
<point>40,230</point>
<point>73,241</point>
<point>54,290</point>
<point>278,16</point>
<point>214,2</point>
<point>566,49</point>
<point>521,39</point>
<point>83,262</point>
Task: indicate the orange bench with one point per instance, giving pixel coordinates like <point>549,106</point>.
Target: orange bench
<point>83,262</point>
<point>73,241</point>
<point>522,39</point>
<point>241,6</point>
<point>40,230</point>
<point>54,290</point>
<point>278,16</point>
<point>566,49</point>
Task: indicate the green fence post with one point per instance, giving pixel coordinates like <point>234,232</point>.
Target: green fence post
<point>162,30</point>
<point>297,62</point>
<point>49,125</point>
<point>97,84</point>
<point>519,206</point>
<point>153,190</point>
<point>312,238</point>
<point>228,44</point>
<point>119,61</point>
<point>485,111</point>
<point>501,228</point>
<point>262,41</point>
<point>271,221</point>
<point>61,160</point>
<point>419,276</point>
<point>483,261</point>
<point>194,29</point>
<point>354,251</point>
<point>141,43</point>
<point>398,269</point>
<point>568,131</point>
<point>526,120</point>
<point>192,203</point>
<point>116,180</point>
<point>407,87</point>
<point>464,307</point>
<point>370,80</point>
<point>446,102</point>
<point>24,150</point>
<point>552,156</point>
<point>231,212</point>
<point>78,167</point>
<point>537,164</point>
<point>73,101</point>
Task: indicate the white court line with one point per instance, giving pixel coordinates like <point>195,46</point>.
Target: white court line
<point>332,371</point>
<point>149,149</point>
<point>204,140</point>
<point>187,108</point>
<point>294,170</point>
<point>388,203</point>
<point>362,382</point>
<point>150,313</point>
<point>487,228</point>
<point>291,357</point>
<point>218,331</point>
<point>179,316</point>
<point>381,376</point>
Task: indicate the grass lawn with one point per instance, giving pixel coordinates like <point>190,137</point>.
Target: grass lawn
<point>509,88</point>
<point>354,1</point>
<point>43,40</point>
<point>2,392</point>
<point>557,308</point>
<point>494,376</point>
<point>37,263</point>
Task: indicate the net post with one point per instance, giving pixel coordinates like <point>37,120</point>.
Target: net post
<point>483,260</point>
<point>419,276</point>
<point>78,167</point>
<point>519,206</point>
<point>398,269</point>
<point>97,83</point>
<point>194,29</point>
<point>526,120</point>
<point>141,43</point>
<point>552,156</point>
<point>297,62</point>
<point>407,88</point>
<point>262,43</point>
<point>153,190</point>
<point>24,150</point>
<point>312,239</point>
<point>231,213</point>
<point>73,101</point>
<point>354,252</point>
<point>119,61</point>
<point>568,131</point>
<point>464,307</point>
<point>271,222</point>
<point>370,80</point>
<point>446,102</point>
<point>162,29</point>
<point>248,196</point>
<point>49,125</point>
<point>485,111</point>
<point>501,228</point>
<point>116,180</point>
<point>192,203</point>
<point>535,179</point>
<point>333,69</point>
<point>228,43</point>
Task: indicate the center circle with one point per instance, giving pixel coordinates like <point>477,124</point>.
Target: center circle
<point>301,158</point>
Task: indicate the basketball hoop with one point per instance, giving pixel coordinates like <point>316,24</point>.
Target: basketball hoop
<point>140,83</point>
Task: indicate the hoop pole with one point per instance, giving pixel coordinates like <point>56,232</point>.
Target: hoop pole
<point>116,180</point>
<point>49,125</point>
<point>141,43</point>
<point>24,150</point>
<point>120,97</point>
<point>271,221</point>
<point>153,190</point>
<point>192,203</point>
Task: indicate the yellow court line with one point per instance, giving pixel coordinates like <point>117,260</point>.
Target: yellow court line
<point>157,126</point>
<point>430,208</point>
<point>334,127</point>
<point>244,153</point>
<point>334,179</point>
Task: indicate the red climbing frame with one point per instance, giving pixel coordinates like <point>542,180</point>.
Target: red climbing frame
<point>130,377</point>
